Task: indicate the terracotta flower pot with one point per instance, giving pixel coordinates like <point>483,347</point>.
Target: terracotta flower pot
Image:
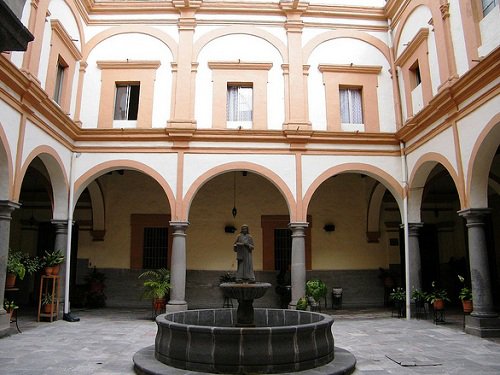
<point>49,307</point>
<point>438,304</point>
<point>10,280</point>
<point>467,306</point>
<point>48,270</point>
<point>56,269</point>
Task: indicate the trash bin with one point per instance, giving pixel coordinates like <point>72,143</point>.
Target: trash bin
<point>337,298</point>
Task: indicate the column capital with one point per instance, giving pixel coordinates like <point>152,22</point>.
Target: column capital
<point>297,226</point>
<point>179,225</point>
<point>6,208</point>
<point>414,228</point>
<point>475,216</point>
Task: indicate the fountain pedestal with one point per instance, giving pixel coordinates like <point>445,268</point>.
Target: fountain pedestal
<point>245,293</point>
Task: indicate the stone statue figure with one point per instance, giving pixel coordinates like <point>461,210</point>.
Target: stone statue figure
<point>243,246</point>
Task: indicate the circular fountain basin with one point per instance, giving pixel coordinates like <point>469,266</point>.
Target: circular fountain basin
<point>281,341</point>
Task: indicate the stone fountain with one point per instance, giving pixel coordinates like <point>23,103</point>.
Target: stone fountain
<point>244,340</point>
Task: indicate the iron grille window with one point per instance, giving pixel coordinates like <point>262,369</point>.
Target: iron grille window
<point>282,249</point>
<point>155,250</point>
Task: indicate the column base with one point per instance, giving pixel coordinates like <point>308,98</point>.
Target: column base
<point>482,327</point>
<point>4,324</point>
<point>174,306</point>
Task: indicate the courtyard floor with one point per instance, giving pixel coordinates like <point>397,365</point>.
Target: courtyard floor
<point>104,341</point>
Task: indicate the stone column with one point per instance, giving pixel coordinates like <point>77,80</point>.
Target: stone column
<point>415,275</point>
<point>6,208</point>
<point>178,267</point>
<point>298,269</point>
<point>482,296</point>
<point>60,243</point>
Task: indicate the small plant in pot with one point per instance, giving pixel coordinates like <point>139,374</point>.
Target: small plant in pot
<point>316,289</point>
<point>48,305</point>
<point>419,296</point>
<point>10,306</point>
<point>52,261</point>
<point>398,296</point>
<point>437,297</point>
<point>15,268</point>
<point>156,286</point>
<point>465,296</point>
<point>302,304</point>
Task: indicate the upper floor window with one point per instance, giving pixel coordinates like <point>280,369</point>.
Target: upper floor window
<point>415,74</point>
<point>239,102</point>
<point>127,101</point>
<point>351,106</point>
<point>488,5</point>
<point>58,89</point>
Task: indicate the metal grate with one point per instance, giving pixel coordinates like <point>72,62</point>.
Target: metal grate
<point>155,249</point>
<point>282,249</point>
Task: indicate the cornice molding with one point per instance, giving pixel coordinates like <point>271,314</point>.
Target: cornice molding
<point>58,28</point>
<point>358,69</point>
<point>129,64</point>
<point>412,46</point>
<point>239,65</point>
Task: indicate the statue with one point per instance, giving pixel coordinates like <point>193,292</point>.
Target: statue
<point>243,246</point>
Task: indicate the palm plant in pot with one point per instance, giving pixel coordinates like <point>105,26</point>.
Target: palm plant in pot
<point>48,304</point>
<point>156,286</point>
<point>465,296</point>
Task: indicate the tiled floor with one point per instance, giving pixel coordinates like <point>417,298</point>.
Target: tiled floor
<point>105,340</point>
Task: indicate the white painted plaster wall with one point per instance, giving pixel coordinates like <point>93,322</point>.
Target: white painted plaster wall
<point>10,121</point>
<point>118,48</point>
<point>17,56</point>
<point>44,56</point>
<point>163,164</point>
<point>59,10</point>
<point>418,19</point>
<point>246,48</point>
<point>458,38</point>
<point>349,51</point>
<point>441,143</point>
<point>195,165</point>
<point>36,137</point>
<point>490,31</point>
<point>471,126</point>
<point>314,165</point>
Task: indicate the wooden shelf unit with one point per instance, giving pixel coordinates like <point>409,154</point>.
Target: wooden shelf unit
<point>49,285</point>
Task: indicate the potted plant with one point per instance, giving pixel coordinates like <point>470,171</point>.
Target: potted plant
<point>15,268</point>
<point>302,304</point>
<point>419,296</point>
<point>316,289</point>
<point>156,287</point>
<point>398,296</point>
<point>48,304</point>
<point>465,296</point>
<point>52,261</point>
<point>10,306</point>
<point>437,297</point>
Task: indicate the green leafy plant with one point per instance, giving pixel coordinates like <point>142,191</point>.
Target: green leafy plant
<point>15,264</point>
<point>398,295</point>
<point>9,305</point>
<point>52,258</point>
<point>316,289</point>
<point>302,303</point>
<point>465,292</point>
<point>437,294</point>
<point>419,295</point>
<point>156,283</point>
<point>47,299</point>
<point>32,264</point>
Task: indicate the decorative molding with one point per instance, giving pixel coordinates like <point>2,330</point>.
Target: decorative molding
<point>413,45</point>
<point>358,69</point>
<point>238,65</point>
<point>129,64</point>
<point>59,29</point>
